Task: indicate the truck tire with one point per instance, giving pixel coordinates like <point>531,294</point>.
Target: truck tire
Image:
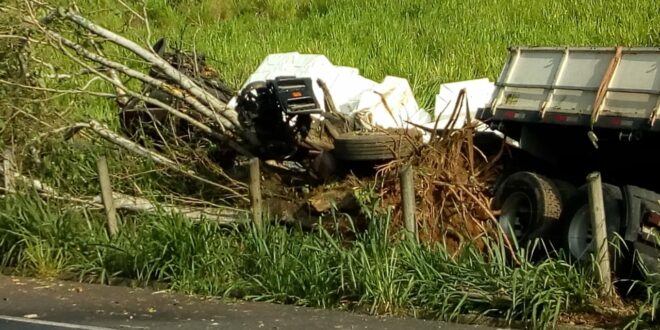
<point>566,190</point>
<point>375,146</point>
<point>529,205</point>
<point>575,229</point>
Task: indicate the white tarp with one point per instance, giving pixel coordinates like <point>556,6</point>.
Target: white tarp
<point>398,108</point>
<point>389,104</point>
<point>479,93</point>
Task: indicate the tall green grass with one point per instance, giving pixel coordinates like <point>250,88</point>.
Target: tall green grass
<point>372,273</point>
<point>426,41</point>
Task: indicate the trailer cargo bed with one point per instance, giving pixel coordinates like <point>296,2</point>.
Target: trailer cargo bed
<point>595,87</point>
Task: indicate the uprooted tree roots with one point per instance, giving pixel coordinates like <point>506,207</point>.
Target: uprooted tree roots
<point>452,185</point>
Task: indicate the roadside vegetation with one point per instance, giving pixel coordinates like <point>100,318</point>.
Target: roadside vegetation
<point>372,273</point>
<point>427,42</point>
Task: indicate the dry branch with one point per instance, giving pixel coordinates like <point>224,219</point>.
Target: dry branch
<point>194,213</point>
<point>187,96</point>
<point>182,87</point>
<point>205,112</point>
<point>135,148</point>
<point>60,91</point>
<point>184,81</point>
<point>131,146</point>
<point>21,180</point>
<point>133,204</point>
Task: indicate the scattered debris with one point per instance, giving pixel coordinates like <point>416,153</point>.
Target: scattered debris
<point>213,214</point>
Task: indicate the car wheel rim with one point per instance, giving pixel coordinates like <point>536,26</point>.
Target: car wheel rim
<point>516,217</point>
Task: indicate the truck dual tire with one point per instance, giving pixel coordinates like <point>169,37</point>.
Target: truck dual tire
<point>530,204</point>
<point>575,229</point>
<point>533,206</point>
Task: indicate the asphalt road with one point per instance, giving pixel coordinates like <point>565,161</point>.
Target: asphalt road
<point>27,304</point>
<point>21,323</point>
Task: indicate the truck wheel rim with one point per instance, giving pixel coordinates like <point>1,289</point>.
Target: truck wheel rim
<point>580,234</point>
<point>516,217</point>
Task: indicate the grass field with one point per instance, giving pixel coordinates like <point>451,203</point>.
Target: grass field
<point>426,41</point>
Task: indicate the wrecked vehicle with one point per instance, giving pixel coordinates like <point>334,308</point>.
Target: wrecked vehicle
<point>574,111</point>
<point>570,111</point>
<point>278,112</point>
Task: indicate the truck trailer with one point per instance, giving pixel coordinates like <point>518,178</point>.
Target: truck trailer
<point>573,111</point>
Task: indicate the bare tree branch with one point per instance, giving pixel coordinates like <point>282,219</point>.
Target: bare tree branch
<point>60,91</point>
<point>194,213</point>
<point>129,145</point>
<point>172,90</point>
<point>167,108</point>
<point>135,148</point>
<point>185,82</point>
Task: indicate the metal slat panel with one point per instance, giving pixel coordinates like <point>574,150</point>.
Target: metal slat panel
<point>536,68</point>
<point>537,79</point>
<point>585,69</point>
<point>634,89</point>
<point>572,101</point>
